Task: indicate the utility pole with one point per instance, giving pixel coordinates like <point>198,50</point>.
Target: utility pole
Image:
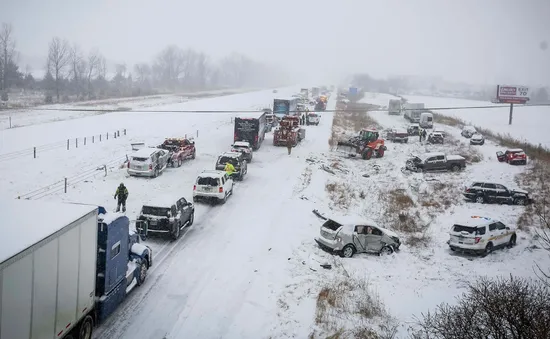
<point>511,114</point>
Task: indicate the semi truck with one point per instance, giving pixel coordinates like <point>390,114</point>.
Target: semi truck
<point>251,129</point>
<point>413,111</point>
<point>64,268</point>
<point>282,107</point>
<point>394,107</point>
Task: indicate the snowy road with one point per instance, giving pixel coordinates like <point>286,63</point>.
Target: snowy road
<point>223,277</point>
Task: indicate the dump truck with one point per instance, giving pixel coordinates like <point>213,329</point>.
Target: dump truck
<point>367,144</point>
<point>289,127</point>
<point>64,268</point>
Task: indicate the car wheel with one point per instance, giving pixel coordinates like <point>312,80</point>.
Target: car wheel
<point>194,155</point>
<point>176,233</point>
<point>348,251</point>
<point>195,199</point>
<point>224,200</point>
<point>142,272</point>
<point>86,328</point>
<point>156,173</point>
<point>386,250</point>
<point>480,199</point>
<point>419,170</point>
<point>455,168</point>
<point>488,249</point>
<point>191,219</point>
<point>180,162</point>
<point>512,241</point>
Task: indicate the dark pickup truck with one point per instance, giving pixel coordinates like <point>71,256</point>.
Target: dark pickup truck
<point>490,192</point>
<point>436,162</point>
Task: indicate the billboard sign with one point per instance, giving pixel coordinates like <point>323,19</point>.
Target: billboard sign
<point>510,94</point>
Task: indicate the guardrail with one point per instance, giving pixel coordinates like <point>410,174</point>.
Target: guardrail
<point>67,144</point>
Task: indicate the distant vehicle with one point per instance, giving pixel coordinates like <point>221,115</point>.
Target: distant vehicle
<point>251,129</point>
<point>314,92</point>
<point>412,111</point>
<point>413,129</point>
<point>426,120</point>
<point>312,119</point>
<point>394,107</point>
<point>480,235</point>
<point>213,186</point>
<point>435,161</point>
<point>468,131</point>
<point>289,128</point>
<point>282,107</point>
<point>490,192</point>
<point>70,273</point>
<point>477,139</point>
<point>514,156</point>
<point>243,147</point>
<point>348,237</point>
<point>180,149</point>
<point>165,217</point>
<point>148,162</point>
<point>237,159</point>
<point>436,138</point>
<point>271,122</point>
<point>398,135</point>
<point>304,92</point>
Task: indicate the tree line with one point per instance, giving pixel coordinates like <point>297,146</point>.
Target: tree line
<point>73,74</point>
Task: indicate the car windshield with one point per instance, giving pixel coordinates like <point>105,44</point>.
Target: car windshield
<point>139,159</point>
<point>331,224</point>
<point>157,211</point>
<point>208,181</point>
<point>240,146</point>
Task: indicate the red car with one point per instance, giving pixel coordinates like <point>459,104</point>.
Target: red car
<point>180,150</point>
<point>515,156</point>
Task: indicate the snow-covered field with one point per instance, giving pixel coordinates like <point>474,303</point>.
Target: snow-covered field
<point>526,119</point>
<point>46,113</point>
<point>250,268</point>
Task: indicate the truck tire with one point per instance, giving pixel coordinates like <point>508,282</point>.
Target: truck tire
<point>142,272</point>
<point>367,154</point>
<point>156,173</point>
<point>380,153</point>
<point>177,232</point>
<point>455,168</point>
<point>180,162</point>
<point>191,219</point>
<point>194,155</point>
<point>86,328</point>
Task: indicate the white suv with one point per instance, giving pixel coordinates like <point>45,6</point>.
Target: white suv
<point>213,186</point>
<point>480,235</point>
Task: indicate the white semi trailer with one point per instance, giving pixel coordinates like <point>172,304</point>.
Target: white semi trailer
<point>64,268</point>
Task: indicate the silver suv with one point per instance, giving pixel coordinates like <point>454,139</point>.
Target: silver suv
<point>348,237</point>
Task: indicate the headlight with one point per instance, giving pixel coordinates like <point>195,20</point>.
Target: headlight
<point>338,239</point>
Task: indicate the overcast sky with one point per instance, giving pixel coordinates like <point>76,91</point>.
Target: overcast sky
<point>478,41</point>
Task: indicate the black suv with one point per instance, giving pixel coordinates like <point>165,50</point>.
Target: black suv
<point>166,218</point>
<point>236,159</point>
<point>487,192</point>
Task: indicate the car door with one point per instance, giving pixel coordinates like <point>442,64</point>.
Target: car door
<point>185,208</point>
<point>490,192</point>
<point>493,233</point>
<point>503,194</point>
<point>502,233</point>
<point>441,163</point>
<point>227,182</point>
<point>373,239</point>
<point>430,164</point>
<point>360,238</point>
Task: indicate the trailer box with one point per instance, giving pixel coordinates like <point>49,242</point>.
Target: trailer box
<point>47,268</point>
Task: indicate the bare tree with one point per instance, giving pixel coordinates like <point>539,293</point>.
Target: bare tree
<point>92,69</point>
<point>78,67</point>
<point>59,57</point>
<point>143,72</point>
<point>7,53</point>
<point>170,63</point>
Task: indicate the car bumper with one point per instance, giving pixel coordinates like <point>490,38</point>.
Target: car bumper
<point>472,249</point>
<point>328,245</point>
<point>206,195</point>
<point>476,142</point>
<point>137,173</point>
<point>469,196</point>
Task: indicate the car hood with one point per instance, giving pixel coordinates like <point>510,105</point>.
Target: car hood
<point>517,190</point>
<point>388,232</point>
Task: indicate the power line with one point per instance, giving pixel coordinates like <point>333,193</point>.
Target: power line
<point>295,111</point>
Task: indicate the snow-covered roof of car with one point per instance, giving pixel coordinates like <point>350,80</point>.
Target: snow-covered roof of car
<point>469,128</point>
<point>211,174</point>
<point>162,201</point>
<point>352,221</point>
<point>231,154</point>
<point>414,125</point>
<point>399,130</point>
<point>241,143</point>
<point>145,152</point>
<point>475,221</point>
<point>477,135</point>
<point>27,222</point>
<point>431,154</point>
<point>514,150</point>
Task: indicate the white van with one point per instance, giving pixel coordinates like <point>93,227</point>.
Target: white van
<point>426,120</point>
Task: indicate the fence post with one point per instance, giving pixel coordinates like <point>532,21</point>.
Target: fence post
<point>107,135</point>
<point>125,131</point>
<point>10,121</point>
<point>105,167</point>
<point>114,134</point>
<point>117,133</point>
<point>34,152</point>
<point>93,139</point>
<point>84,141</point>
<point>76,142</point>
<point>100,137</point>
<point>65,185</point>
<point>197,133</point>
<point>68,144</point>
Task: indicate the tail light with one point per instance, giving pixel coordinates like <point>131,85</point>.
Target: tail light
<point>477,240</point>
<point>256,138</point>
<point>221,190</point>
<point>194,187</point>
<point>467,190</point>
<point>235,137</point>
<point>150,167</point>
<point>128,164</point>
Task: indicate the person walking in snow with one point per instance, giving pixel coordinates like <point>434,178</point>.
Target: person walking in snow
<point>122,194</point>
<point>289,143</point>
<point>420,134</point>
<point>424,133</point>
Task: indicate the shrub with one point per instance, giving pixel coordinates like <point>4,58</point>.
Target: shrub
<point>501,308</point>
<point>341,194</point>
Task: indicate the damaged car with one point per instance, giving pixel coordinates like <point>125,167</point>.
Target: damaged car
<point>348,237</point>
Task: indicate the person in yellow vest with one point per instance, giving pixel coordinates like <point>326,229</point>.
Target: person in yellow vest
<point>229,168</point>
